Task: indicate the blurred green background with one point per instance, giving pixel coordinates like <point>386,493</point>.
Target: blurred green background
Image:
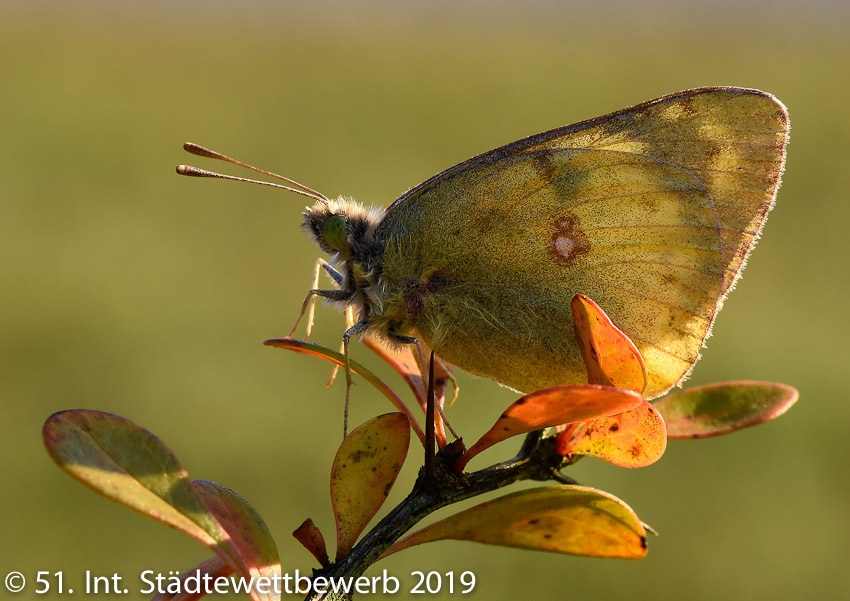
<point>128,289</point>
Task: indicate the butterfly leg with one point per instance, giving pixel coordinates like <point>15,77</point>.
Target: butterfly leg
<point>310,299</point>
<point>349,321</point>
<point>450,376</point>
<point>358,328</point>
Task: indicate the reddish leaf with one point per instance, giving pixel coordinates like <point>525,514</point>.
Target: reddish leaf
<point>722,408</point>
<point>562,519</point>
<point>634,438</point>
<point>364,470</point>
<point>317,350</point>
<point>214,567</point>
<point>309,535</point>
<point>248,538</point>
<point>610,357</point>
<point>553,407</point>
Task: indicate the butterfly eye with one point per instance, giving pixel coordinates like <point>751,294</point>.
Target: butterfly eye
<point>333,231</point>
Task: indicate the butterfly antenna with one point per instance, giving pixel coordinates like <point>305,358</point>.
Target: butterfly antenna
<point>201,151</point>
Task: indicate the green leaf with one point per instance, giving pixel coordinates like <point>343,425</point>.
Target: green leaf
<point>248,538</point>
<point>317,350</point>
<point>129,465</point>
<point>553,407</point>
<point>610,357</point>
<point>562,519</point>
<point>722,408</point>
<point>364,470</point>
<point>634,438</point>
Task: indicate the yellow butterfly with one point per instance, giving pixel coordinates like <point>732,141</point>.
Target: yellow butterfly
<point>650,211</point>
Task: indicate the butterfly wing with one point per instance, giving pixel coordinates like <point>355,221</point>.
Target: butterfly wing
<point>650,211</point>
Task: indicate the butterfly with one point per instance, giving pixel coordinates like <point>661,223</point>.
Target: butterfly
<point>651,211</point>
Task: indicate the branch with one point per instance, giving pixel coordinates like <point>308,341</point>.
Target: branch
<point>536,460</point>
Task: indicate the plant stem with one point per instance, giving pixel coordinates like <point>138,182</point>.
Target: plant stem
<point>535,461</point>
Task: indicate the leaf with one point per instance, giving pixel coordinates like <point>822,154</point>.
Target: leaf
<point>610,357</point>
<point>248,538</point>
<point>214,567</point>
<point>317,350</point>
<point>309,535</point>
<point>722,408</point>
<point>129,465</point>
<point>553,407</point>
<point>634,438</point>
<point>364,470</point>
<point>563,519</point>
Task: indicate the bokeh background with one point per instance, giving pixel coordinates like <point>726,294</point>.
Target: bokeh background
<point>126,288</point>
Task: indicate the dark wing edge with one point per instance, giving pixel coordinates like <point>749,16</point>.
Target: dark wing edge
<point>518,146</point>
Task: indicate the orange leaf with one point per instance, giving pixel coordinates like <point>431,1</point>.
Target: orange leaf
<point>553,407</point>
<point>562,519</point>
<point>364,470</point>
<point>317,350</point>
<point>634,438</point>
<point>722,408</point>
<point>309,535</point>
<point>610,357</point>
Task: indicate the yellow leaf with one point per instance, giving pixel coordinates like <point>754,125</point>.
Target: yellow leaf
<point>562,519</point>
<point>364,470</point>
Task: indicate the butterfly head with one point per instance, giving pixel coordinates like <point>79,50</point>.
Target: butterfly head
<point>343,227</point>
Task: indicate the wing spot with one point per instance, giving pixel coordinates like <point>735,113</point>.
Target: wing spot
<point>567,242</point>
